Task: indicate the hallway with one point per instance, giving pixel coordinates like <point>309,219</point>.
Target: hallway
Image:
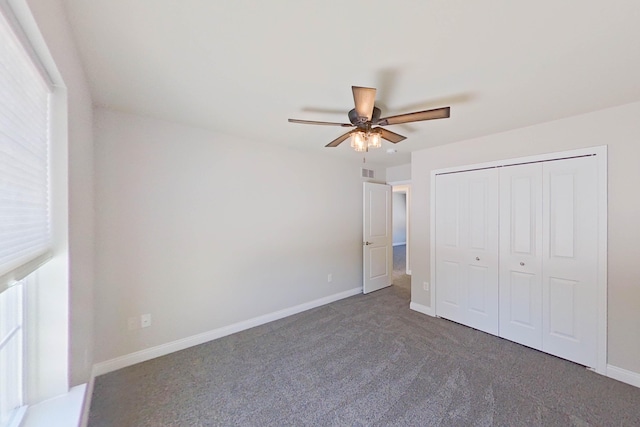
<point>400,276</point>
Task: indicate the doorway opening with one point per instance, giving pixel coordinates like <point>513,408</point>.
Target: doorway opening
<point>401,198</point>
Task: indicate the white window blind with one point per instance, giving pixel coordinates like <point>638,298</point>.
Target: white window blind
<point>25,235</point>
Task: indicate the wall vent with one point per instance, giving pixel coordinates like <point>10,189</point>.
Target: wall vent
<point>367,173</point>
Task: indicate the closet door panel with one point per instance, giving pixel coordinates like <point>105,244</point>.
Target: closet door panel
<point>563,310</point>
<point>482,253</point>
<point>521,254</point>
<point>570,251</point>
<point>478,211</point>
<point>523,308</point>
<point>450,247</point>
<point>467,248</point>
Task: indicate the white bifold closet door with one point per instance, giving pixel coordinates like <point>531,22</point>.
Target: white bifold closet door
<point>570,259</point>
<point>542,220</point>
<point>467,248</point>
<point>548,257</point>
<point>521,254</point>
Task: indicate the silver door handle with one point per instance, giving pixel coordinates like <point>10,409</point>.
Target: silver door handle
<point>477,258</point>
<point>522,263</point>
<point>368,243</point>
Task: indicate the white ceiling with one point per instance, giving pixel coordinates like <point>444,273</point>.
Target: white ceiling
<point>243,67</point>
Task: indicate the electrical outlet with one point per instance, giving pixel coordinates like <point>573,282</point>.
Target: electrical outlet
<point>133,323</point>
<point>329,278</point>
<point>425,285</point>
<point>145,320</point>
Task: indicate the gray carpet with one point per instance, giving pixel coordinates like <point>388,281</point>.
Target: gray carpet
<point>365,360</point>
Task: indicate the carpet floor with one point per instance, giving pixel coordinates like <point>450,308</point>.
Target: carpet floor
<point>362,361</point>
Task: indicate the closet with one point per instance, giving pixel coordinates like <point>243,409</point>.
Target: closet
<point>517,253</point>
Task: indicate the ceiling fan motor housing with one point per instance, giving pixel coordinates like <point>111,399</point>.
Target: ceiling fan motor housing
<point>359,121</point>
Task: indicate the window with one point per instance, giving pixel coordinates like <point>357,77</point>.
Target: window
<point>25,229</point>
<point>11,352</point>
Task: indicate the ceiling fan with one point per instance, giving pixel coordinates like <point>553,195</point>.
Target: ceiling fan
<point>365,118</point>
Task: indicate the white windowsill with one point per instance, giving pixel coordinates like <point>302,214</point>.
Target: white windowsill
<point>61,411</point>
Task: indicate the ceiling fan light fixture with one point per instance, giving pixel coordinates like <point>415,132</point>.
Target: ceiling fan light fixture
<point>363,140</point>
<point>359,141</point>
<point>374,140</point>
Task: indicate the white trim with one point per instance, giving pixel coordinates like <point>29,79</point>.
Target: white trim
<point>599,150</point>
<point>422,309</point>
<point>409,272</point>
<point>603,172</point>
<point>181,344</point>
<point>86,404</point>
<point>14,13</point>
<point>432,238</point>
<point>18,417</point>
<point>63,410</point>
<point>399,244</point>
<point>401,182</point>
<point>23,269</point>
<point>629,377</point>
<point>408,233</point>
<point>601,155</point>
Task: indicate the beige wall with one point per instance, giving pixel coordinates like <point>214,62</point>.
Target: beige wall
<point>203,230</point>
<point>619,128</point>
<point>399,173</point>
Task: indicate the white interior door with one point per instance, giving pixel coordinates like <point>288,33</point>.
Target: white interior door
<point>521,254</point>
<point>467,248</point>
<point>377,238</point>
<point>570,252</point>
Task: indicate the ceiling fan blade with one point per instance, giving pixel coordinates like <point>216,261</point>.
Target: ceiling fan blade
<point>312,122</point>
<point>339,140</point>
<point>391,136</point>
<point>438,113</point>
<point>364,99</point>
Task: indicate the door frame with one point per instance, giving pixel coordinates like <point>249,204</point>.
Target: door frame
<point>601,154</point>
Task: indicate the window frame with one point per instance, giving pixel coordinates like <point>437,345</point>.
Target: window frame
<point>45,288</point>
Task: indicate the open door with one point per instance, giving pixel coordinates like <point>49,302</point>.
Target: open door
<point>376,241</point>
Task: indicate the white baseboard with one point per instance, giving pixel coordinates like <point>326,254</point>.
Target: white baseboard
<point>399,244</point>
<point>422,309</point>
<point>629,377</point>
<point>164,349</point>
